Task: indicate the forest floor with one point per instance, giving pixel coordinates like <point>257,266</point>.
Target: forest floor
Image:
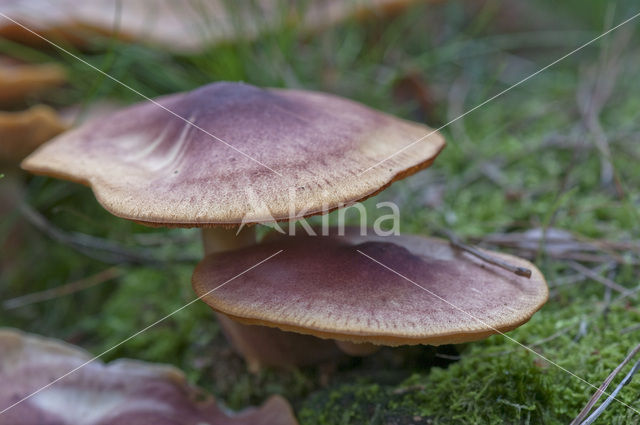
<point>548,171</point>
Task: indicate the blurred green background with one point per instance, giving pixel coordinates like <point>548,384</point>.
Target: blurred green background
<point>529,159</point>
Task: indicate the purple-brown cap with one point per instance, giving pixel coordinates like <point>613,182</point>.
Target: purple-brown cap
<point>236,154</point>
<point>93,393</point>
<point>384,290</point>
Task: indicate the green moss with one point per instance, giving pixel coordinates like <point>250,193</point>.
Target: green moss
<point>498,380</point>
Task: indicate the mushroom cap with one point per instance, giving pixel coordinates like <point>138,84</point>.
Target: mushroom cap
<point>17,81</point>
<point>324,287</point>
<point>180,25</point>
<point>150,166</point>
<point>121,392</point>
<point>22,132</point>
<point>175,24</point>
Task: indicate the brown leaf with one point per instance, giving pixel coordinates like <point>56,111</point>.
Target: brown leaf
<point>93,393</point>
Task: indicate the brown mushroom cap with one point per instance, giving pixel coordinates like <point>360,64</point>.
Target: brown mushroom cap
<point>122,392</point>
<point>22,132</point>
<point>323,286</point>
<point>147,165</point>
<point>17,81</point>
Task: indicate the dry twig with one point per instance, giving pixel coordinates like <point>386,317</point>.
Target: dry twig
<point>612,396</point>
<point>455,242</point>
<point>580,419</point>
<point>631,328</point>
<point>100,249</point>
<point>562,245</point>
<point>598,278</point>
<point>69,288</point>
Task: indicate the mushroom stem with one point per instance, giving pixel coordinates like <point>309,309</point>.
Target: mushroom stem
<point>357,348</point>
<point>260,345</point>
<point>219,239</point>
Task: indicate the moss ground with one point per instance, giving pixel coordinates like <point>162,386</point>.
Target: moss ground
<point>527,160</point>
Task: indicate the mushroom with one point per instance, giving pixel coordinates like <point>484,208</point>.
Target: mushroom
<point>19,81</point>
<point>228,155</point>
<point>22,132</point>
<point>93,393</point>
<point>186,25</point>
<point>381,290</point>
<point>179,25</point>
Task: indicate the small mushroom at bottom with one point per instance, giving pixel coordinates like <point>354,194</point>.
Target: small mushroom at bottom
<point>121,392</point>
<point>395,290</point>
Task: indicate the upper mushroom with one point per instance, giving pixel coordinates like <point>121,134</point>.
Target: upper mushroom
<point>231,153</point>
<point>384,290</point>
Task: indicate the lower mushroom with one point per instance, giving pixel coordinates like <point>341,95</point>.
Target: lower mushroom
<point>121,392</point>
<point>357,348</point>
<point>261,346</point>
<point>368,289</point>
